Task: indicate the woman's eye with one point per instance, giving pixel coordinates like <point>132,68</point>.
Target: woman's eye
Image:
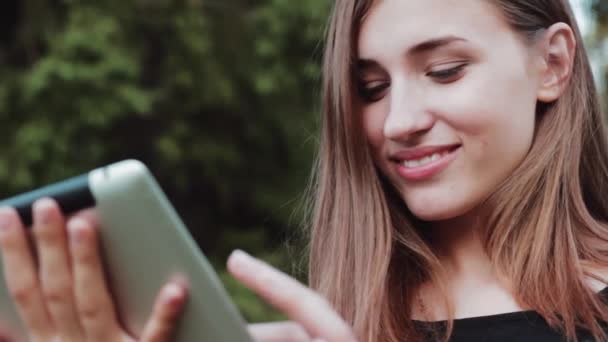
<point>372,91</point>
<point>447,75</point>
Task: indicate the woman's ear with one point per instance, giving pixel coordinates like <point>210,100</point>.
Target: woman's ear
<point>557,51</point>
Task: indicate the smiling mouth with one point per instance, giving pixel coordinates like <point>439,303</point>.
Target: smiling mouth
<point>414,163</point>
<point>423,164</point>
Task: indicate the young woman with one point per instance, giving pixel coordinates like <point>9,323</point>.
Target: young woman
<point>459,192</point>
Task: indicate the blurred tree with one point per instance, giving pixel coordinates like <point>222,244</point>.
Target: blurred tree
<point>600,10</point>
<point>217,97</point>
<point>600,38</point>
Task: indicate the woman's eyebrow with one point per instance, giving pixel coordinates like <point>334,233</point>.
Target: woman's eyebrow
<point>433,44</point>
<point>419,49</point>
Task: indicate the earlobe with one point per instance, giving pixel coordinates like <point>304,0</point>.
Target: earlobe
<point>557,51</point>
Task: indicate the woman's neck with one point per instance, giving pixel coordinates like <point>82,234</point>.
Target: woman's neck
<point>473,284</point>
<point>458,244</point>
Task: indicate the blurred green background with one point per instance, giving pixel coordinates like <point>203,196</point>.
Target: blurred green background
<point>220,98</point>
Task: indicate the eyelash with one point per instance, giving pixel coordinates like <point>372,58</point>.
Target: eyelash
<point>371,94</point>
<point>445,76</point>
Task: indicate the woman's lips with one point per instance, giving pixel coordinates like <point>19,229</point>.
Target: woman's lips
<point>425,163</point>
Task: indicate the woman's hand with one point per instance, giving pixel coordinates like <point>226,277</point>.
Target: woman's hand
<point>312,317</point>
<point>58,285</point>
<point>63,297</point>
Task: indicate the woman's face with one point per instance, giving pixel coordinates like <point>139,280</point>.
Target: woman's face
<point>449,95</point>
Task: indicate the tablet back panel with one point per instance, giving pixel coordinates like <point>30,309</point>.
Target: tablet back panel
<point>144,245</point>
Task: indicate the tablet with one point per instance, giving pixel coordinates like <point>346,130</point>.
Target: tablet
<point>144,244</point>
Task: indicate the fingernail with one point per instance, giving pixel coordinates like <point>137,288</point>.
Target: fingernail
<point>42,210</point>
<point>239,260</point>
<point>77,230</point>
<point>173,293</point>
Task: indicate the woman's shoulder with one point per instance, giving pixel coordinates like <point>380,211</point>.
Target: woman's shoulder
<point>524,326</point>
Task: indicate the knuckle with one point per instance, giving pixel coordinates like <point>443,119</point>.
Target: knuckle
<point>266,282</point>
<point>86,258</point>
<point>90,312</point>
<point>265,279</point>
<point>158,330</point>
<point>36,337</point>
<point>44,232</point>
<point>6,241</point>
<point>342,334</point>
<point>282,298</point>
<point>324,303</point>
<point>57,294</point>
<point>280,331</point>
<point>169,314</point>
<point>289,296</point>
<point>9,241</point>
<point>24,293</point>
<point>294,332</point>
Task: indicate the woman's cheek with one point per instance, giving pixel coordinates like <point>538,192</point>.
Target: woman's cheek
<point>373,125</point>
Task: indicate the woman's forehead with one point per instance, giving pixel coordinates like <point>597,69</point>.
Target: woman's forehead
<point>402,24</point>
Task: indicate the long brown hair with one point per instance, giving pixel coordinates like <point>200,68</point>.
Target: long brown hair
<point>548,222</point>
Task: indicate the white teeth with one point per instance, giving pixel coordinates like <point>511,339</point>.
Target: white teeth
<point>423,161</point>
<point>411,163</point>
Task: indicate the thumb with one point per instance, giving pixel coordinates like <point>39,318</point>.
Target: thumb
<point>164,318</point>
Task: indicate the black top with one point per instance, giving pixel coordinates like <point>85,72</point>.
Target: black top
<point>523,326</point>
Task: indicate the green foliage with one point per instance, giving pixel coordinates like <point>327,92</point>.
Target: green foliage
<point>600,12</point>
<point>218,98</point>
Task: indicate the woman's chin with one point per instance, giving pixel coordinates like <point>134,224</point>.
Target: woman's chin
<point>433,216</point>
<point>439,211</point>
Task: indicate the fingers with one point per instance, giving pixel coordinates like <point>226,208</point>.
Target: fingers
<point>5,337</point>
<point>166,312</point>
<point>93,301</point>
<point>21,275</point>
<point>64,297</point>
<point>278,332</point>
<point>55,271</point>
<point>89,215</point>
<point>5,333</point>
<point>298,302</point>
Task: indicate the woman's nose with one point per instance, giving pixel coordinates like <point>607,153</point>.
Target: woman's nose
<point>407,115</point>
